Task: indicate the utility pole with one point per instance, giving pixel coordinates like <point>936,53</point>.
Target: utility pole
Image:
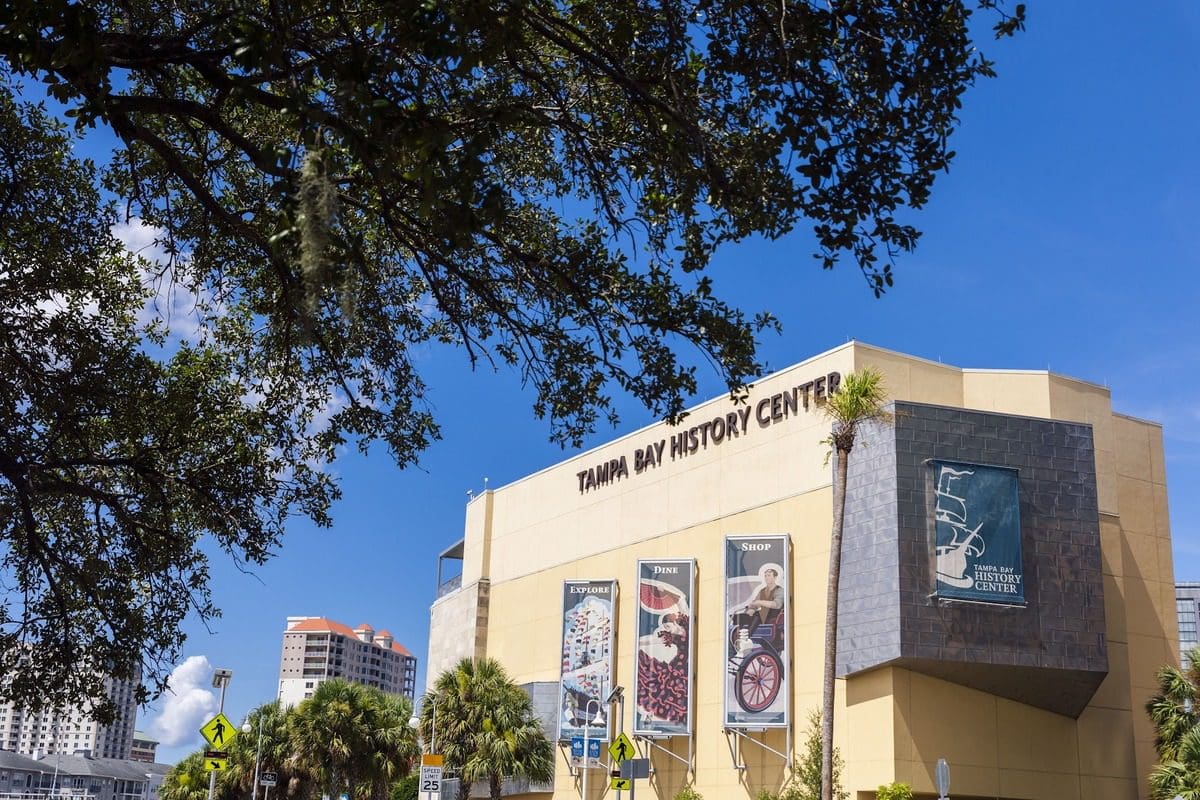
<point>220,681</point>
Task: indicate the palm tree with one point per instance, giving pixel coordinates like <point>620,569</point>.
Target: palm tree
<point>859,400</point>
<point>396,749</point>
<point>485,726</point>
<point>510,743</point>
<point>275,755</point>
<point>1177,731</point>
<point>187,780</point>
<point>349,738</point>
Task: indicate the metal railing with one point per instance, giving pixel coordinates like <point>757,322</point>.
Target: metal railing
<point>450,585</point>
<point>508,788</point>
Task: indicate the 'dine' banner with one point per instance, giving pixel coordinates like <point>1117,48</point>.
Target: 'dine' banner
<point>977,531</point>
<point>587,658</point>
<point>663,679</point>
<point>756,631</point>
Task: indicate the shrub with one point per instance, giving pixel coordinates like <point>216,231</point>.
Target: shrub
<point>894,791</point>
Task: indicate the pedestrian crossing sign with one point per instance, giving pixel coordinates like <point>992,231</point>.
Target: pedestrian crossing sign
<point>218,732</point>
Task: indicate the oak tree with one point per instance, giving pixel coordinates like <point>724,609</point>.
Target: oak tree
<point>540,183</point>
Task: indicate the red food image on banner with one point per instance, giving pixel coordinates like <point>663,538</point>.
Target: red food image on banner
<point>664,650</point>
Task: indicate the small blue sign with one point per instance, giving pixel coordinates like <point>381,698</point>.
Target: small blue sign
<point>576,747</point>
<point>593,748</point>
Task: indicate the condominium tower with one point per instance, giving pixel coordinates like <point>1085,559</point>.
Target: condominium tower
<point>72,729</point>
<point>316,649</point>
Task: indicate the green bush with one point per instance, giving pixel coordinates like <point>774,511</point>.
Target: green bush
<point>688,793</point>
<point>806,784</point>
<point>763,794</point>
<point>406,787</point>
<point>894,791</point>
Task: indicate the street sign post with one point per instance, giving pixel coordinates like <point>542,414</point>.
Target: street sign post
<point>268,779</point>
<point>430,785</point>
<point>943,779</point>
<point>218,732</point>
<point>216,760</point>
<point>630,770</point>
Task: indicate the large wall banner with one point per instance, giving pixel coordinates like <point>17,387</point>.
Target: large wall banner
<point>587,657</point>
<point>663,678</point>
<point>977,533</point>
<point>756,631</point>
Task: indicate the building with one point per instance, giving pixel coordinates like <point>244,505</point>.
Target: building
<point>1005,598</point>
<point>77,776</point>
<point>1187,608</point>
<point>20,776</point>
<point>142,748</point>
<point>316,649</point>
<point>72,729</point>
<point>88,778</point>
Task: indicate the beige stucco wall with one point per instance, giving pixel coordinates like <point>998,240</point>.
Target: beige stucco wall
<point>892,724</point>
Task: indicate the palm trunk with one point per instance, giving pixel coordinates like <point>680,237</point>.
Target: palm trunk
<point>464,788</point>
<point>831,616</point>
<point>495,784</point>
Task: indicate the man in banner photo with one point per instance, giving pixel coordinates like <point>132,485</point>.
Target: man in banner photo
<point>587,645</point>
<point>756,657</point>
<point>664,651</point>
<point>977,525</point>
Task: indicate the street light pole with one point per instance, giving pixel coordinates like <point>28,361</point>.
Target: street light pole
<point>587,728</point>
<point>57,759</point>
<point>220,680</point>
<point>415,724</point>
<point>257,751</point>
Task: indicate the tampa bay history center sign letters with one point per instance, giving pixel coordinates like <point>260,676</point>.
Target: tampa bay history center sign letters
<point>770,410</point>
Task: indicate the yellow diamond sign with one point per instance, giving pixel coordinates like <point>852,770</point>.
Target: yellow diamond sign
<point>218,732</point>
<point>622,748</point>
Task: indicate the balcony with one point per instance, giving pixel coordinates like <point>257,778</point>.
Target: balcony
<point>448,584</point>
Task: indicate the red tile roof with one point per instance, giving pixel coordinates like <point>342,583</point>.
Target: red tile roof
<point>364,626</point>
<point>321,625</point>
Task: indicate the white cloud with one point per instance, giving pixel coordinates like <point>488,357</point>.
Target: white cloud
<point>187,703</point>
<point>185,308</point>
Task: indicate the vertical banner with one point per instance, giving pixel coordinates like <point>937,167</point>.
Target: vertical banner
<point>977,533</point>
<point>756,631</point>
<point>587,658</point>
<point>663,677</point>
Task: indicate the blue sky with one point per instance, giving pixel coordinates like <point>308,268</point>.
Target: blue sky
<point>1066,236</point>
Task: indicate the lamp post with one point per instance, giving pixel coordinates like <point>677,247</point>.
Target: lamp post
<point>57,759</point>
<point>587,728</point>
<point>221,678</point>
<point>617,695</point>
<point>414,722</point>
<point>257,750</point>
